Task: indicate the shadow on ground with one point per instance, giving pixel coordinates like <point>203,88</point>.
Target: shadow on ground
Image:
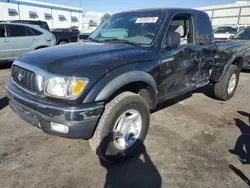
<point>5,65</point>
<point>240,174</point>
<point>242,146</point>
<point>138,171</point>
<point>4,102</point>
<point>245,71</point>
<point>207,91</point>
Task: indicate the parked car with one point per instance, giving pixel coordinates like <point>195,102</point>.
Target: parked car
<point>17,39</point>
<point>243,36</point>
<point>103,89</point>
<point>63,35</point>
<point>42,24</point>
<point>223,34</point>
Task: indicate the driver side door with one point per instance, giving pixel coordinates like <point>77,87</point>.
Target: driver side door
<point>179,66</point>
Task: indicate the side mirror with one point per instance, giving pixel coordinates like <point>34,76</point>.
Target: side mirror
<point>173,40</point>
<point>231,37</point>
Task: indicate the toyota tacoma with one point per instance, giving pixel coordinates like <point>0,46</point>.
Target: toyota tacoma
<point>103,89</point>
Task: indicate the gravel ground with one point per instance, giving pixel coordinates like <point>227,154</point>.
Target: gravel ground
<point>191,143</point>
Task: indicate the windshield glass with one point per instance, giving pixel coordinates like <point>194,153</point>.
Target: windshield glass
<point>230,30</point>
<point>244,34</point>
<point>135,27</point>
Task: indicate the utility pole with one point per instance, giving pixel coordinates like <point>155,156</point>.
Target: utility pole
<point>80,17</point>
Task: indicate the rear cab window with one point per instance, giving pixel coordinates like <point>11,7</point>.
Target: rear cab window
<point>203,26</point>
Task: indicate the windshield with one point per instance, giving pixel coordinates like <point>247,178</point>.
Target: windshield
<point>244,34</point>
<point>230,30</point>
<point>135,27</point>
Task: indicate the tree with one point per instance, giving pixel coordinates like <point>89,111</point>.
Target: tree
<point>92,23</point>
<point>105,17</point>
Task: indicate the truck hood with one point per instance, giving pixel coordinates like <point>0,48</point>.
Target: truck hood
<point>81,59</point>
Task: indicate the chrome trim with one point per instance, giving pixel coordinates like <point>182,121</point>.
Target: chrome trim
<point>20,87</point>
<point>34,69</point>
<point>69,79</point>
<point>41,105</point>
<point>47,76</point>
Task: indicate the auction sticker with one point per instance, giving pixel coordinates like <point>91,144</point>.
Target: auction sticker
<point>147,20</point>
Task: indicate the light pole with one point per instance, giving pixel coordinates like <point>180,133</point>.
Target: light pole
<point>80,19</point>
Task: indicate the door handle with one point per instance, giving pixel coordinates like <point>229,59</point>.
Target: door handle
<point>35,38</point>
<point>6,40</point>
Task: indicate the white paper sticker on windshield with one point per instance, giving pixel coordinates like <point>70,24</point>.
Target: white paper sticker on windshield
<point>147,20</point>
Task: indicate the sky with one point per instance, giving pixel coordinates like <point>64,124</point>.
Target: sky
<point>114,6</point>
<point>94,9</point>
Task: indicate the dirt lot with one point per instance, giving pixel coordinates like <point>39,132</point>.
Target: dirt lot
<point>189,145</point>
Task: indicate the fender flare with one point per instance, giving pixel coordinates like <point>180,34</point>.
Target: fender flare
<point>230,61</point>
<point>127,78</point>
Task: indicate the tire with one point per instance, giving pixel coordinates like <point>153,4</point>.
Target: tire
<point>221,88</point>
<point>41,47</point>
<point>103,142</point>
<point>63,42</point>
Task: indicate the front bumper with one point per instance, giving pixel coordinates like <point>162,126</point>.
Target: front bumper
<point>80,120</point>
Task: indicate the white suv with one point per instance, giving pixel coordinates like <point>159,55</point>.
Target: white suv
<point>17,39</point>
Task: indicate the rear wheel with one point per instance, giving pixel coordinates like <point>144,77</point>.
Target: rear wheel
<point>226,87</point>
<point>63,42</point>
<point>122,128</point>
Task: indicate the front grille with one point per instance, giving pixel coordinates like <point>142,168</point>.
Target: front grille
<point>24,78</point>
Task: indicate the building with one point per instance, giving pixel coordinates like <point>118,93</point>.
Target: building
<point>95,16</point>
<point>237,13</point>
<point>57,16</point>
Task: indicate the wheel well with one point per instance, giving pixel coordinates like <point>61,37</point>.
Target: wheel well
<point>136,87</point>
<point>41,47</point>
<point>238,62</point>
<point>63,40</point>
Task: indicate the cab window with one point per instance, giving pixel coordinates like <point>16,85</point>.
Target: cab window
<point>182,24</point>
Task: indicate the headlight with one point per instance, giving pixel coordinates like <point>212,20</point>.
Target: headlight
<point>66,88</point>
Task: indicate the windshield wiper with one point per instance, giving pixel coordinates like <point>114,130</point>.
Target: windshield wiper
<point>122,41</point>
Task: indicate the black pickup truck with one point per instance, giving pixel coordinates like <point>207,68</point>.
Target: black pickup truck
<point>66,35</point>
<point>102,89</point>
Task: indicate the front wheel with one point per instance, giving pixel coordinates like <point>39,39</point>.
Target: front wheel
<point>226,87</point>
<point>122,128</point>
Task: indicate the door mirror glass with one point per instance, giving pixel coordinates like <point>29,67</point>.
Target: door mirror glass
<point>173,40</point>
